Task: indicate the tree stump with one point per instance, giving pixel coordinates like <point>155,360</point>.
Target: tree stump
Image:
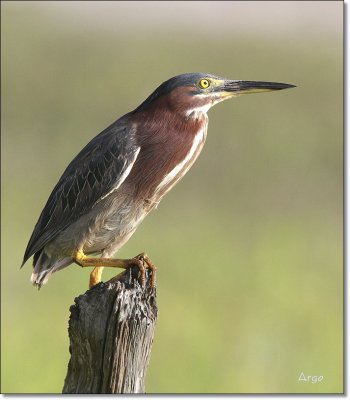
<point>111,329</point>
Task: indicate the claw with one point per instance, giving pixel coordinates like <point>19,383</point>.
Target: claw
<point>142,261</point>
<point>144,257</point>
<point>138,262</point>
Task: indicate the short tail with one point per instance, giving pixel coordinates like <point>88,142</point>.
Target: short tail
<point>45,265</point>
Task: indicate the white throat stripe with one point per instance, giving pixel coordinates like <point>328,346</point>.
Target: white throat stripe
<point>197,141</point>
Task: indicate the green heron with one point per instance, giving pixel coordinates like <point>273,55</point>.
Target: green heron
<point>124,172</point>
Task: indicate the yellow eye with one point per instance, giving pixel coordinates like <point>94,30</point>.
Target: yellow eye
<point>204,83</point>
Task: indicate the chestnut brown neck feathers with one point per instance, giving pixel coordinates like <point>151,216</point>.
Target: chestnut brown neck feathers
<point>169,146</point>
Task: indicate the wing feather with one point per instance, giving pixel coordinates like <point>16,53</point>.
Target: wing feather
<point>98,170</point>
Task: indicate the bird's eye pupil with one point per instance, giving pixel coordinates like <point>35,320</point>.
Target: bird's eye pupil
<point>204,83</point>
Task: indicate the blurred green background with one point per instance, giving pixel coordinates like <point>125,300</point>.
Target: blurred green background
<point>248,246</point>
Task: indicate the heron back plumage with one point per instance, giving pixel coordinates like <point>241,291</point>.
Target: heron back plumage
<point>100,167</point>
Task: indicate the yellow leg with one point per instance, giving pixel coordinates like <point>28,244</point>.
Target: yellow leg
<point>95,276</point>
<point>81,259</point>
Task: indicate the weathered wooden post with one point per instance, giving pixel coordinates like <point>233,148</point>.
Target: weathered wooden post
<point>111,329</point>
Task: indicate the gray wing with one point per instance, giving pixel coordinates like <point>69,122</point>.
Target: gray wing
<point>99,169</point>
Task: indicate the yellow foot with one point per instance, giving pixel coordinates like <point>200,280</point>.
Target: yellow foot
<point>95,277</point>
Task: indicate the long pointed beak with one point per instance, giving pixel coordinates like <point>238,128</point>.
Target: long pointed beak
<point>232,88</point>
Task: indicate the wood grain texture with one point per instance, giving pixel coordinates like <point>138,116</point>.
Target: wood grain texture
<point>111,330</point>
